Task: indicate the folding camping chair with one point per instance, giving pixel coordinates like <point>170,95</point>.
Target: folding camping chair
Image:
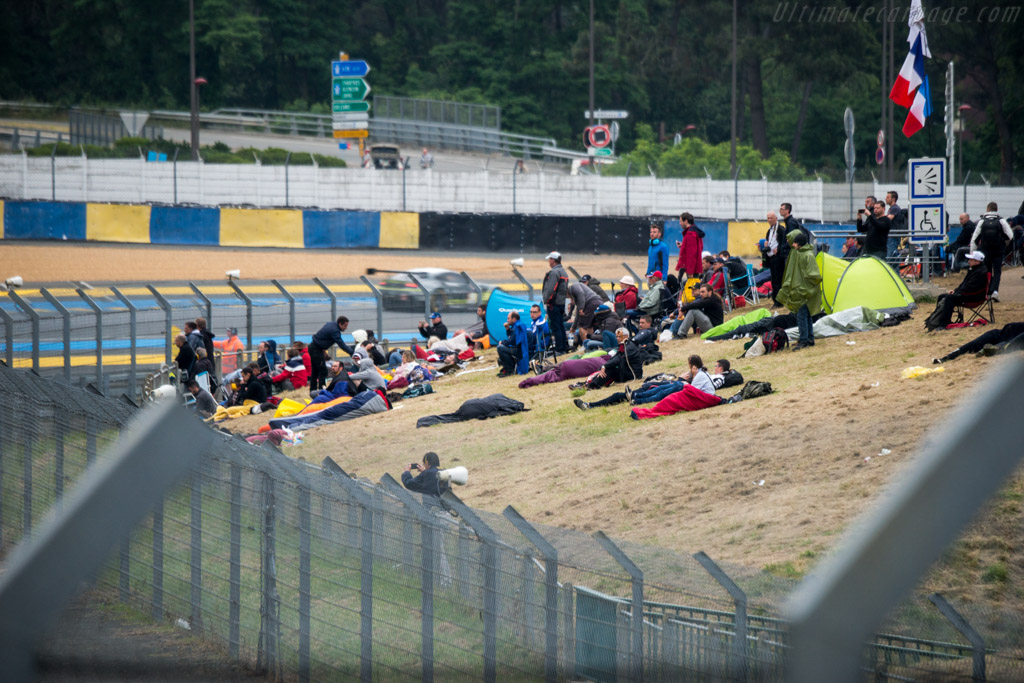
<point>544,354</point>
<point>976,307</point>
<point>203,379</point>
<point>742,286</point>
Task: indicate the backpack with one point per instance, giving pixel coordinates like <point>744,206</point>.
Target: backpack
<point>754,389</point>
<point>991,236</point>
<point>774,339</point>
<point>899,221</point>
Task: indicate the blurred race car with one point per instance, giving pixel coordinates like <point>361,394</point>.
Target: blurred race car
<point>448,290</point>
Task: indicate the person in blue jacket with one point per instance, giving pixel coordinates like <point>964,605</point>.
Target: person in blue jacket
<point>326,337</point>
<point>657,251</point>
<point>514,351</point>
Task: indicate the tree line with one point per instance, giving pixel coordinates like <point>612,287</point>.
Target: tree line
<point>668,62</point>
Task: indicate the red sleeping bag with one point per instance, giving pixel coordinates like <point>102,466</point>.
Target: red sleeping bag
<point>689,398</point>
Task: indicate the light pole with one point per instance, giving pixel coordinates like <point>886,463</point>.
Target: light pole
<point>193,84</point>
<point>960,157</point>
<point>732,136</point>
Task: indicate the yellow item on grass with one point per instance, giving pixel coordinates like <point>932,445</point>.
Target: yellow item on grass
<point>288,407</point>
<point>688,288</point>
<point>917,371</point>
<point>234,411</point>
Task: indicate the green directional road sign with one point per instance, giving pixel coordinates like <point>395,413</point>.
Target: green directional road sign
<point>349,89</point>
<point>340,107</point>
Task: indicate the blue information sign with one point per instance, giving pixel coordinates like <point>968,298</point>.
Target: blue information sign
<point>352,67</point>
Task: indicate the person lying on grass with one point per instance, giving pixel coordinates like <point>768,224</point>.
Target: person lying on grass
<point>1009,337</point>
<point>627,364</point>
<point>651,392</point>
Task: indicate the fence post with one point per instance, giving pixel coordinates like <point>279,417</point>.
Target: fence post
<point>629,167</point>
<point>367,505</point>
<point>235,564</point>
<point>9,336</point>
<point>66,314</point>
<point>472,283</point>
<point>965,189</point>
<point>636,617</point>
<point>291,308</point>
<point>248,312</point>
<point>519,276</point>
<point>568,632</point>
<point>53,172</point>
<point>132,336</point>
<point>158,560</point>
<point>380,305</point>
<point>26,474</point>
<point>174,165</point>
<point>269,599</point>
<point>968,632</point>
<point>99,335</point>
<point>168,320</point>
<point>58,462</point>
<point>287,161</point>
<point>550,555</point>
<point>490,543</point>
<point>196,549</point>
<point>124,569</point>
<point>428,305</point>
<point>739,642</point>
<point>34,316</point>
<point>207,303</point>
<point>331,295</point>
<point>427,523</point>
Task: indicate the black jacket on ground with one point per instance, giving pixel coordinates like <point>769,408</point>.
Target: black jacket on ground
<point>876,232</point>
<point>476,409</point>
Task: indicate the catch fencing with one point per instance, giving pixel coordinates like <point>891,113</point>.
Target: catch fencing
<point>308,573</point>
<point>490,191</point>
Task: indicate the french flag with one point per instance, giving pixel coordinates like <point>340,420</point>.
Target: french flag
<point>910,77</point>
<point>920,109</point>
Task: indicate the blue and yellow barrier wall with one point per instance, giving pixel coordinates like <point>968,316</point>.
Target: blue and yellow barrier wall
<point>336,229</point>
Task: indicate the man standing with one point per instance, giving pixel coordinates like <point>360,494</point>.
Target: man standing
<point>436,328</point>
<point>185,359</point>
<point>777,250</point>
<point>877,228</point>
<point>801,286</point>
<point>326,337</point>
<point>789,223</point>
<point>896,219</point>
<point>232,348</point>
<point>690,249</point>
<point>657,250</point>
<point>556,283</point>
<point>991,236</point>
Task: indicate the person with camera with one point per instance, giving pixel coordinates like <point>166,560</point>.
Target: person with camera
<point>876,229</point>
<point>427,481</point>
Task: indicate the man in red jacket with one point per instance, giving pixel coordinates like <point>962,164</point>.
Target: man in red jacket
<point>690,248</point>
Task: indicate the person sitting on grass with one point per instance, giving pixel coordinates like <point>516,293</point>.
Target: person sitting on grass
<point>703,313</point>
<point>1009,337</point>
<point>653,392</point>
<point>514,351</point>
<point>205,404</point>
<point>628,296</point>
<point>627,364</point>
<point>293,375</point>
<point>972,289</point>
<point>367,376</point>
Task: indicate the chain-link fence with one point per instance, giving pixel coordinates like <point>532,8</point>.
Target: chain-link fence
<point>309,573</point>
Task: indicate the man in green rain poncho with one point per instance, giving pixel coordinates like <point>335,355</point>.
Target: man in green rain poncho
<point>801,286</point>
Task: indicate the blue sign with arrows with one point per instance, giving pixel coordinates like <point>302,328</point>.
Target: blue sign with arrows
<point>353,67</point>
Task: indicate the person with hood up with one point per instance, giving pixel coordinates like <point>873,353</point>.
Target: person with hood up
<point>192,334</point>
<point>268,358</point>
<point>801,286</point>
<point>367,376</point>
<point>595,285</point>
<point>514,351</point>
<point>690,248</point>
<point>628,296</point>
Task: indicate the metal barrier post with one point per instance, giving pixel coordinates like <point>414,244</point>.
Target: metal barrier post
<point>66,314</point>
<point>514,174</point>
<point>132,335</point>
<point>636,616</point>
<point>472,283</point>
<point>168,320</point>
<point>519,276</point>
<point>550,555</point>
<point>31,312</point>
<point>195,500</point>
<point>739,641</point>
<point>489,560</point>
<point>427,524</point>
<point>53,172</point>
<point>99,333</point>
<point>248,312</point>
<point>9,335</point>
<point>331,295</point>
<point>629,166</point>
<point>380,305</point>
<point>639,280</point>
<point>427,303</point>
<point>207,303</point>
<point>573,271</point>
<point>367,504</point>
<point>287,160</point>
<point>158,561</point>
<point>968,632</point>
<point>174,165</point>
<point>291,308</point>
<point>965,190</point>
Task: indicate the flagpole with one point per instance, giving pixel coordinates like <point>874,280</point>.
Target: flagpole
<point>885,81</point>
<point>889,137</point>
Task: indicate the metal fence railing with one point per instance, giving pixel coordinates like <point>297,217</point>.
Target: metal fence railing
<point>308,573</point>
<point>437,111</point>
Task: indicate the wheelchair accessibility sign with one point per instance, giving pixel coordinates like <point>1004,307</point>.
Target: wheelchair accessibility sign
<point>927,223</point>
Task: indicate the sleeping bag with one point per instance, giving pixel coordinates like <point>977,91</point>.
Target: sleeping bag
<point>476,409</point>
<point>567,369</point>
<point>689,398</point>
<point>364,403</point>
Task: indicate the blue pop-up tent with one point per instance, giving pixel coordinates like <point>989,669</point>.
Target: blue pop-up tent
<point>498,307</point>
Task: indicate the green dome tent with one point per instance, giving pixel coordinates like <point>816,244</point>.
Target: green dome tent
<point>866,281</point>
